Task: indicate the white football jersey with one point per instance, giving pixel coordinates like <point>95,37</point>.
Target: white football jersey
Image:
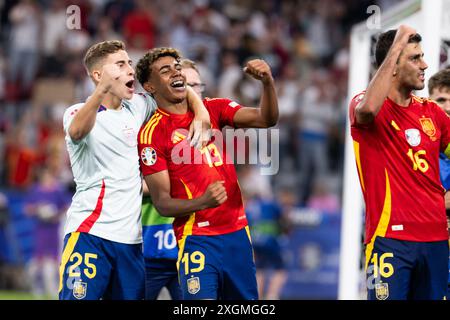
<point>105,166</point>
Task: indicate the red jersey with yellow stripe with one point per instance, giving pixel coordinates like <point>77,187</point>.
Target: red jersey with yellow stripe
<point>397,157</point>
<point>162,146</point>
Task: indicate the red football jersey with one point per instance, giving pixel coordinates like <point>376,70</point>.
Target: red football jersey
<point>162,146</point>
<point>397,157</point>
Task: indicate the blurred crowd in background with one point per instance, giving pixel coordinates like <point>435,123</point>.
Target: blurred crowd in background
<point>41,73</point>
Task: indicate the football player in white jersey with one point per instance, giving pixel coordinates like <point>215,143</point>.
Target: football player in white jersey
<point>102,256</point>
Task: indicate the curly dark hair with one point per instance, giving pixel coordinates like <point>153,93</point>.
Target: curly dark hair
<point>143,67</point>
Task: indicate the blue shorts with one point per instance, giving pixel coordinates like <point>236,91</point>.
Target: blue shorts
<point>160,273</point>
<point>268,255</point>
<point>401,270</point>
<point>217,267</point>
<point>93,268</point>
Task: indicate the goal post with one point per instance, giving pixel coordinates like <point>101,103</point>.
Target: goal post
<point>430,20</point>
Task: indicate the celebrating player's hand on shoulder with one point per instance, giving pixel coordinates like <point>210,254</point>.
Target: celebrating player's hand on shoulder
<point>215,194</point>
<point>259,69</point>
<point>200,131</point>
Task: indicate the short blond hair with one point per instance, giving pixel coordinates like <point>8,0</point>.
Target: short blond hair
<point>101,50</point>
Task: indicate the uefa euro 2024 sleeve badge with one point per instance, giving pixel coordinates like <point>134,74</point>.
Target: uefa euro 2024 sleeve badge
<point>148,156</point>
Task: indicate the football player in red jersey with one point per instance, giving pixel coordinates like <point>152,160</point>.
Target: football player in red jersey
<point>215,254</point>
<point>397,139</point>
<point>439,90</point>
<point>159,245</point>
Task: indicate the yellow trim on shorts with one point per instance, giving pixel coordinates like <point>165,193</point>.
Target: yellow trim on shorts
<point>68,250</point>
<point>383,223</point>
<point>247,229</point>
<point>187,231</point>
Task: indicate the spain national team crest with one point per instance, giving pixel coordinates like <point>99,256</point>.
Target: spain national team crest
<point>382,291</point>
<point>428,126</point>
<point>79,289</point>
<point>148,156</point>
<point>413,137</point>
<point>193,285</point>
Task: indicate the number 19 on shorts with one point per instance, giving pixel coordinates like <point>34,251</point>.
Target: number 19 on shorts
<point>193,262</point>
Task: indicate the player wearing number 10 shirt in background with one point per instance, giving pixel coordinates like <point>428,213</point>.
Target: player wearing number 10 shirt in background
<point>397,139</point>
<point>215,253</point>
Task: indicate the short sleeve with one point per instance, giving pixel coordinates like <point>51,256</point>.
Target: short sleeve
<point>225,109</point>
<point>144,105</point>
<point>353,103</point>
<point>68,116</point>
<point>444,122</point>
<point>151,155</point>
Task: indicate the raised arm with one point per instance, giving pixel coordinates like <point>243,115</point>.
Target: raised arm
<point>267,114</point>
<point>159,186</point>
<point>380,85</point>
<point>199,130</point>
<point>84,119</point>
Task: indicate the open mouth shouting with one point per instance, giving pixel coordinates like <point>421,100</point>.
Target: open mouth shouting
<point>130,86</point>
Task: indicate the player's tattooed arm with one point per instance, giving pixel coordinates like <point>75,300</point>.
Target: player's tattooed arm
<point>380,85</point>
<point>159,186</point>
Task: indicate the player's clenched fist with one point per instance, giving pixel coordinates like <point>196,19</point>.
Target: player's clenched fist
<point>215,194</point>
<point>403,34</point>
<point>259,69</point>
<point>109,75</point>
